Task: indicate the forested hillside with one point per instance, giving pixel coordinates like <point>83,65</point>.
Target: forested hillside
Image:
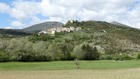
<point>97,40</point>
<point>12,33</point>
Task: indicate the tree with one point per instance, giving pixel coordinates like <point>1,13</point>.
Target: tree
<point>78,52</point>
<point>86,52</point>
<point>4,57</point>
<point>90,52</point>
<point>40,47</point>
<point>96,54</point>
<point>55,52</point>
<point>66,48</point>
<point>138,56</point>
<point>77,63</point>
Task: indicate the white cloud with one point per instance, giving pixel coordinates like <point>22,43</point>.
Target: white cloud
<point>17,24</point>
<point>107,10</point>
<point>52,10</point>
<point>24,9</point>
<point>127,12</point>
<point>4,8</point>
<point>8,28</point>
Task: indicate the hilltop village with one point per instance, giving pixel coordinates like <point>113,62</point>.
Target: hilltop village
<point>52,31</point>
<point>59,29</point>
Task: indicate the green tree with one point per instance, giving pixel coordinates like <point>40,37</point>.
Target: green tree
<point>4,56</point>
<point>90,52</point>
<point>86,52</point>
<point>67,49</point>
<point>138,56</point>
<point>55,52</point>
<point>78,52</point>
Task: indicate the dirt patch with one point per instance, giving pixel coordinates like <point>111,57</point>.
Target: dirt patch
<point>72,74</point>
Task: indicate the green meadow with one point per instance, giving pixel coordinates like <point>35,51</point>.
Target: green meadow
<point>103,69</point>
<point>70,65</point>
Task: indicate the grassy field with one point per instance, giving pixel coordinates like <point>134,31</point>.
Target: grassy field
<point>69,65</point>
<point>67,70</point>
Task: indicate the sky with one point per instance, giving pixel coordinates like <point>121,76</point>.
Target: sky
<point>18,14</point>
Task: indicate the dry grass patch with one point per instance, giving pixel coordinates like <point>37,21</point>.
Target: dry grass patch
<point>72,74</point>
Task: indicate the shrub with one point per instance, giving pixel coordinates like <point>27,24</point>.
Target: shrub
<point>121,57</point>
<point>29,57</point>
<point>138,56</point>
<point>116,57</point>
<point>4,57</point>
<point>106,57</point>
<point>126,57</point>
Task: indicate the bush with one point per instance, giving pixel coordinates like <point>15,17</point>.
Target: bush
<point>121,57</point>
<point>29,57</point>
<point>138,56</point>
<point>116,57</point>
<point>126,57</point>
<point>106,57</point>
<point>4,57</point>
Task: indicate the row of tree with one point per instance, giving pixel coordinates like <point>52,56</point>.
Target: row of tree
<point>64,48</point>
<point>21,49</point>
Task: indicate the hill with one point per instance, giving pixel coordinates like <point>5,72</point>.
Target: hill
<point>12,32</point>
<point>42,26</point>
<point>120,24</point>
<point>112,37</point>
<point>96,40</point>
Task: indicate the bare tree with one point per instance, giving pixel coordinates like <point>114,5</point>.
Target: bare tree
<point>77,63</point>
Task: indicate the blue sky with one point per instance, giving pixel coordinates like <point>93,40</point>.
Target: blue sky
<point>4,18</point>
<point>6,1</point>
<point>18,14</point>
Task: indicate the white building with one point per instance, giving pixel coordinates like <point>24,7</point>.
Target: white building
<point>52,31</point>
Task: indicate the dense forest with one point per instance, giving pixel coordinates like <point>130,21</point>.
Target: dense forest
<point>96,41</point>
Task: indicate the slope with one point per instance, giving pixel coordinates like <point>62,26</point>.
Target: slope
<point>42,26</point>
